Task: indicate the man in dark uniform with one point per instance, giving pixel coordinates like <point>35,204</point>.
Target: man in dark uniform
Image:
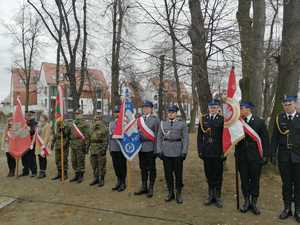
<point>286,147</point>
<point>249,160</point>
<point>210,147</point>
<point>29,159</point>
<point>172,148</point>
<point>118,159</point>
<point>147,154</point>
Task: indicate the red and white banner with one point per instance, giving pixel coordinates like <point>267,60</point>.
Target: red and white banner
<point>120,123</point>
<point>233,130</point>
<point>77,132</point>
<point>39,141</point>
<point>249,131</point>
<point>145,130</point>
<point>59,103</point>
<point>20,140</point>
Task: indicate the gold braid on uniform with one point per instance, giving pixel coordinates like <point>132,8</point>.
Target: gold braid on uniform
<point>201,125</point>
<point>279,129</point>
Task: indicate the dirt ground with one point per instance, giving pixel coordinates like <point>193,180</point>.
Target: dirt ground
<point>47,202</point>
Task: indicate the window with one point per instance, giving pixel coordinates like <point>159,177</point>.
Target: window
<point>45,102</point>
<point>53,91</point>
<point>45,90</point>
<point>98,92</point>
<point>99,105</point>
<point>155,97</point>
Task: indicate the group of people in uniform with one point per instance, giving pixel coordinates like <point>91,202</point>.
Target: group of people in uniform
<point>171,146</point>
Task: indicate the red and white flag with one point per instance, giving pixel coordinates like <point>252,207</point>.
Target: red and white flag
<point>77,132</point>
<point>59,104</point>
<point>233,130</point>
<point>20,140</point>
<point>120,123</point>
<point>144,129</point>
<point>39,141</point>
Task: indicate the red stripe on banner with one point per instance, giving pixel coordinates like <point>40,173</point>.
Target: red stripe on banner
<point>226,140</point>
<point>231,89</point>
<point>248,130</point>
<point>118,132</point>
<point>144,131</point>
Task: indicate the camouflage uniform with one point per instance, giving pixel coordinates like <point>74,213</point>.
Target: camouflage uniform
<point>78,148</point>
<point>98,146</point>
<point>56,146</point>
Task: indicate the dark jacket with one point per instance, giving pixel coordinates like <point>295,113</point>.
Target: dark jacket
<point>209,139</point>
<point>286,138</point>
<point>247,148</point>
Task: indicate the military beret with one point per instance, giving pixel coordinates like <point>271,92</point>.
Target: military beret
<point>148,104</point>
<point>172,108</point>
<point>289,98</point>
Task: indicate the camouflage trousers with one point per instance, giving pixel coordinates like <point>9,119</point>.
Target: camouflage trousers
<point>78,159</point>
<point>58,158</point>
<point>98,162</point>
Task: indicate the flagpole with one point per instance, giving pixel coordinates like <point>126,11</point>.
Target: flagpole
<point>237,189</point>
<point>62,152</point>
<point>129,175</point>
<point>17,165</point>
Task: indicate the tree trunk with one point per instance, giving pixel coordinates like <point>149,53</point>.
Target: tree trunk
<point>289,64</point>
<point>161,87</point>
<point>197,35</point>
<point>252,49</point>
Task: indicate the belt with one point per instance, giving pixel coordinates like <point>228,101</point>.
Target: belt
<point>172,140</point>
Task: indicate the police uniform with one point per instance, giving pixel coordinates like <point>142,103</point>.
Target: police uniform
<point>118,159</point>
<point>210,150</point>
<point>59,129</point>
<point>78,147</point>
<point>250,162</point>
<point>147,154</point>
<point>98,146</point>
<point>172,147</point>
<point>286,147</point>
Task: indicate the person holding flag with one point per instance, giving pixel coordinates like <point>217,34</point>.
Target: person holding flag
<point>79,137</point>
<point>209,142</point>
<point>172,148</point>
<point>285,148</point>
<point>118,159</point>
<point>251,156</point>
<point>148,125</point>
<point>41,140</point>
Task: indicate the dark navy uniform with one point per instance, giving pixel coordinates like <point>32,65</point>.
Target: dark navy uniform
<point>286,147</point>
<point>210,150</point>
<point>250,162</point>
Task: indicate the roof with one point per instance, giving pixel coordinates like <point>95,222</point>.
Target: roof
<point>18,86</point>
<point>94,78</point>
<point>170,87</point>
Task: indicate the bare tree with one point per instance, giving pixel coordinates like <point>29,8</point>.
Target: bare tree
<point>26,30</point>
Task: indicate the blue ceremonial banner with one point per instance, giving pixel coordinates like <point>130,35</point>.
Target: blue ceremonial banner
<point>130,142</point>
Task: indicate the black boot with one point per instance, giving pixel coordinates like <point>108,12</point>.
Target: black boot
<point>95,181</point>
<point>75,178</point>
<point>246,205</point>
<point>179,197</point>
<point>170,195</point>
<point>254,208</point>
<point>297,212</point>
<point>210,198</point>
<point>150,190</point>
<point>11,173</point>
<point>143,189</point>
<point>101,181</point>
<point>65,175</point>
<point>42,175</point>
<point>116,187</point>
<point>286,212</point>
<point>58,176</point>
<point>218,200</point>
<point>122,186</point>
<point>80,177</point>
